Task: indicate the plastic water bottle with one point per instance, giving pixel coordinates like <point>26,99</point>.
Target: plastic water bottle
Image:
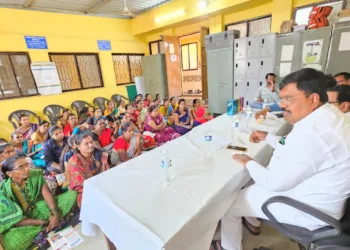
<point>166,166</point>
<point>249,113</point>
<point>264,104</point>
<point>208,141</point>
<point>235,127</point>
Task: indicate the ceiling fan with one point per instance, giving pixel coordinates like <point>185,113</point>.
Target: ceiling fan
<point>126,11</point>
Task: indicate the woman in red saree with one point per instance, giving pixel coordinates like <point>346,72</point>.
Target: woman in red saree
<point>87,162</point>
<point>198,112</point>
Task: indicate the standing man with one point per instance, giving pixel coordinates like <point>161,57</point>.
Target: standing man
<point>267,93</point>
<point>342,78</point>
<point>339,96</point>
<point>312,165</point>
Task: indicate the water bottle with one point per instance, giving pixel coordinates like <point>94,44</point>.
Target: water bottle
<point>265,104</point>
<point>166,166</point>
<point>235,127</point>
<point>249,113</point>
<point>208,140</point>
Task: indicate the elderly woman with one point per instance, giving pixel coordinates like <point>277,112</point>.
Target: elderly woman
<point>53,149</point>
<point>21,146</point>
<point>26,128</point>
<point>125,146</point>
<point>28,204</point>
<point>183,120</point>
<point>87,162</point>
<point>155,123</point>
<point>6,151</point>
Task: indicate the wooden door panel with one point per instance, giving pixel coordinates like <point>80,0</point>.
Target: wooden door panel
<point>204,31</point>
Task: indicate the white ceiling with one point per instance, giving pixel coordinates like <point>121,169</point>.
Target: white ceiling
<point>110,8</point>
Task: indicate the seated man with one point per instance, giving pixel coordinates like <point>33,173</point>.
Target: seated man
<point>339,96</point>
<point>267,94</point>
<point>311,165</point>
<point>342,78</point>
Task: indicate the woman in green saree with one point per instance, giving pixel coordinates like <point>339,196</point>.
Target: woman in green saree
<point>27,206</point>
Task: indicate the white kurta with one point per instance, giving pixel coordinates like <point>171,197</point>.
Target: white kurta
<point>312,167</point>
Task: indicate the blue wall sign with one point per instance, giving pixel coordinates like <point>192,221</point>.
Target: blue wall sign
<point>36,42</point>
<point>104,45</point>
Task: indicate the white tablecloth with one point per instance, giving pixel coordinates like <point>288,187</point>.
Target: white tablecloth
<point>133,207</point>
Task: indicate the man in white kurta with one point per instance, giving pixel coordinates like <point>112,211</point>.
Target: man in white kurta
<point>312,165</point>
<point>339,96</point>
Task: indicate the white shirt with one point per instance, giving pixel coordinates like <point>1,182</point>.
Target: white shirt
<point>347,114</point>
<point>313,166</point>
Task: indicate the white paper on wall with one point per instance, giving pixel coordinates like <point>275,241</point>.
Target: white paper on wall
<point>344,44</point>
<point>312,51</point>
<point>287,53</point>
<point>46,78</point>
<point>173,58</point>
<point>171,48</point>
<point>285,69</point>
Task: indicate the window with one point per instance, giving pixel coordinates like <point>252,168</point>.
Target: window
<point>78,71</point>
<point>126,67</point>
<point>301,14</point>
<point>16,79</point>
<point>189,55</point>
<point>156,47</point>
<point>254,27</point>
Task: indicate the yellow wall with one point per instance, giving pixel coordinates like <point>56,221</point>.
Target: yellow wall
<point>64,33</point>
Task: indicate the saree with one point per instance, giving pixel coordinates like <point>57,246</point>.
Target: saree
<point>27,133</point>
<point>161,136</point>
<point>17,204</point>
<point>81,169</point>
<point>105,137</point>
<point>166,114</point>
<point>185,120</point>
<point>200,114</point>
<point>114,112</point>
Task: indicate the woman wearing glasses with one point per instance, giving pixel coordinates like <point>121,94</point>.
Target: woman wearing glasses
<point>27,204</point>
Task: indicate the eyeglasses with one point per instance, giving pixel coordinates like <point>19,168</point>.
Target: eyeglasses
<point>21,167</point>
<point>287,100</point>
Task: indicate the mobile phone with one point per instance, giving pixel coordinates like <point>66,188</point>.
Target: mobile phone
<point>237,148</point>
<point>280,115</point>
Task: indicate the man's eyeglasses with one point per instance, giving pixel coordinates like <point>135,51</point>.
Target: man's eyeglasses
<point>287,100</point>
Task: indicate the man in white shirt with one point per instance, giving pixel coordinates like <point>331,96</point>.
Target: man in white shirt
<point>339,96</point>
<point>342,78</point>
<point>312,165</point>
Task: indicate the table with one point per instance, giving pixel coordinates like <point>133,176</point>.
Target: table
<point>137,211</point>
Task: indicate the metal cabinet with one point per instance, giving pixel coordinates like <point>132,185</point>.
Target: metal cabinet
<point>240,48</point>
<point>251,88</point>
<point>252,68</point>
<point>267,45</point>
<point>239,88</point>
<point>339,53</point>
<point>267,65</point>
<point>253,47</point>
<point>240,69</point>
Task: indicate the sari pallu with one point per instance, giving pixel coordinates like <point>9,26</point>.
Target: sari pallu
<point>161,136</point>
<point>17,204</point>
<point>27,133</point>
<point>185,120</point>
<point>81,169</point>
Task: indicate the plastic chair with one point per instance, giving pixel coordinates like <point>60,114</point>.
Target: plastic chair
<point>101,102</point>
<point>16,114</point>
<point>53,112</point>
<point>79,105</point>
<point>117,98</point>
<point>337,234</point>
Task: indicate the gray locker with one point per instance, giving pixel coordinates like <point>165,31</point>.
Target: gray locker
<point>253,47</point>
<point>310,37</point>
<point>155,75</point>
<point>339,53</point>
<point>213,63</point>
<point>268,45</point>
<point>220,40</point>
<point>267,65</point>
<point>252,68</point>
<point>239,89</point>
<point>240,69</point>
<point>240,48</point>
<point>226,77</point>
<point>288,41</point>
<point>251,87</point>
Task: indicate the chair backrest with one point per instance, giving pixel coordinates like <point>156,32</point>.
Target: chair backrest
<point>117,98</point>
<point>53,112</point>
<point>101,102</point>
<point>16,114</point>
<point>79,105</point>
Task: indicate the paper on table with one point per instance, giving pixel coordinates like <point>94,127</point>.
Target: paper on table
<point>314,66</point>
<point>287,53</point>
<point>171,48</point>
<point>344,44</point>
<point>285,69</point>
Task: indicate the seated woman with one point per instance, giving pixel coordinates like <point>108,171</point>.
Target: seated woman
<point>183,120</point>
<point>42,131</point>
<point>174,104</point>
<point>111,109</point>
<point>26,128</point>
<point>121,108</point>
<point>130,112</point>
<point>6,151</point>
<point>147,100</point>
<point>21,146</point>
<point>166,111</point>
<point>155,123</point>
<point>198,112</point>
<point>102,136</point>
<point>137,98</point>
<point>53,149</point>
<point>85,114</point>
<point>67,153</point>
<point>87,162</point>
<point>125,146</point>
<point>158,99</point>
<point>29,205</point>
<point>97,114</point>
<point>140,113</point>
<point>64,118</point>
